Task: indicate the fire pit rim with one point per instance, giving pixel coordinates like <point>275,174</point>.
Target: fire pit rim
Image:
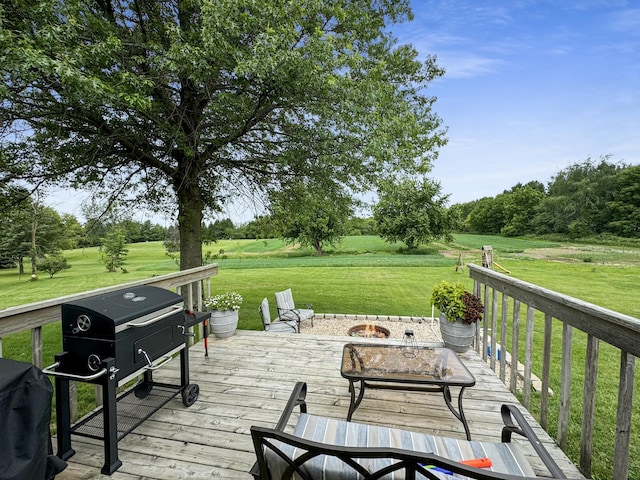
<point>379,329</point>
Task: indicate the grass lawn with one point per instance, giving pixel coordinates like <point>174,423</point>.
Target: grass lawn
<point>365,275</point>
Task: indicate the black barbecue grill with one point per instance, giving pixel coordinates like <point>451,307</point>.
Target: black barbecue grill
<point>109,339</point>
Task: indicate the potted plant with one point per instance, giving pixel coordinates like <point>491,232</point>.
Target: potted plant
<point>224,313</point>
<point>459,312</point>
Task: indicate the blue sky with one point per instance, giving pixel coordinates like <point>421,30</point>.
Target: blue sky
<point>530,87</point>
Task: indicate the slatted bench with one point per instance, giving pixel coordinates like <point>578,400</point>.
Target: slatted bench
<point>325,448</point>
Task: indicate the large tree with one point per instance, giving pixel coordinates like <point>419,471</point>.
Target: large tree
<point>191,101</point>
<point>313,216</point>
<point>28,230</point>
<point>412,211</point>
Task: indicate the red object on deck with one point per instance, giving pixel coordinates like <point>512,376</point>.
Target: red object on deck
<point>478,462</point>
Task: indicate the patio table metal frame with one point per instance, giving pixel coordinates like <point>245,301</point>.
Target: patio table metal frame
<point>408,368</point>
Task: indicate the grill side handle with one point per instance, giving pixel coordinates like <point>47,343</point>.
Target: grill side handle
<point>176,309</point>
<point>83,378</point>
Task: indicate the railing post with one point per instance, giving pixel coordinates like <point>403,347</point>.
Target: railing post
<point>36,347</point>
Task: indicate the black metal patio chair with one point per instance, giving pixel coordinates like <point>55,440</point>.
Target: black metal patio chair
<point>322,447</point>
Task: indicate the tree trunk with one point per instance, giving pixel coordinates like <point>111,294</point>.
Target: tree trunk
<point>34,252</point>
<point>190,208</point>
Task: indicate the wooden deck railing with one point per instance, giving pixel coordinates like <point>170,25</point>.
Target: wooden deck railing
<point>504,299</point>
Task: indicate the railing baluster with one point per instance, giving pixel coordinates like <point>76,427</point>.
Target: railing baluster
<point>565,386</point>
<point>623,422</point>
<point>589,404</point>
<point>494,328</point>
<point>515,338</point>
<point>503,338</point>
<point>528,357</point>
<point>485,330</point>
<point>546,371</point>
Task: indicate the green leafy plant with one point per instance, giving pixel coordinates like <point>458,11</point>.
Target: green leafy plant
<point>456,303</point>
<point>224,301</point>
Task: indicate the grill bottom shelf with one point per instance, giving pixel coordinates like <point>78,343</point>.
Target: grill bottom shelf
<point>133,407</point>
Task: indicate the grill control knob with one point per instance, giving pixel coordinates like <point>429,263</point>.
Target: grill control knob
<point>93,362</point>
<point>83,322</point>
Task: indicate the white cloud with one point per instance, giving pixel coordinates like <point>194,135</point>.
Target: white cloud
<point>467,66</point>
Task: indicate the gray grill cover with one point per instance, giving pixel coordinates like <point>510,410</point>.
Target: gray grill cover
<point>25,413</point>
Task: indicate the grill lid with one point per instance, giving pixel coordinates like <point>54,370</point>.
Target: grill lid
<point>122,306</point>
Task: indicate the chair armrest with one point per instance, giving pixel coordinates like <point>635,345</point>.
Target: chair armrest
<point>297,398</point>
<point>282,313</point>
<point>514,422</point>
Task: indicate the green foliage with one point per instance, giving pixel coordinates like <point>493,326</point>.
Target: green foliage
<point>624,209</point>
<point>487,215</point>
<point>28,230</point>
<point>519,210</point>
<point>218,230</point>
<point>456,303</point>
<point>53,264</point>
<point>361,226</point>
<point>311,215</point>
<point>412,212</point>
<point>113,250</point>
<point>260,227</point>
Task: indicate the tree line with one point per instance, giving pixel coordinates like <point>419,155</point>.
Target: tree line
<point>586,199</point>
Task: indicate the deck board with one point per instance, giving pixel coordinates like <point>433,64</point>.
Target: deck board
<point>246,380</point>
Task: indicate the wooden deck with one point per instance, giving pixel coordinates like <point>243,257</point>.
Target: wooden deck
<point>246,381</point>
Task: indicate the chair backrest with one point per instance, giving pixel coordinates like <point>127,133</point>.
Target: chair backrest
<point>265,314</point>
<point>284,300</point>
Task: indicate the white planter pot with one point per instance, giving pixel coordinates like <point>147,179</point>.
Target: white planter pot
<point>224,323</point>
<point>457,336</point>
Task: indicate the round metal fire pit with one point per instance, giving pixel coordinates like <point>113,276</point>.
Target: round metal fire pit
<point>369,331</point>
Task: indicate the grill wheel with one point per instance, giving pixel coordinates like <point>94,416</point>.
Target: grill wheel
<point>190,394</point>
<point>142,390</point>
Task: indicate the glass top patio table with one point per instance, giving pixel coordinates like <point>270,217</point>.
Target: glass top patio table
<point>401,367</point>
